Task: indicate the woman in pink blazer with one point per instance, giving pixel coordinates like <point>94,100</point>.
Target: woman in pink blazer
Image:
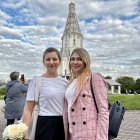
<point>81,120</point>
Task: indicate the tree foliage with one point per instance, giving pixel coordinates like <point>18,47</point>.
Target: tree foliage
<point>2,91</point>
<point>137,85</point>
<point>108,77</point>
<point>127,84</point>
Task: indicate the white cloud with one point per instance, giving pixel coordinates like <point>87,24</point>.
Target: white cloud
<point>13,4</point>
<point>5,31</point>
<point>3,18</point>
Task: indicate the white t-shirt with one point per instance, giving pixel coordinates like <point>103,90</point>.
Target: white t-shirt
<point>52,91</point>
<point>69,96</point>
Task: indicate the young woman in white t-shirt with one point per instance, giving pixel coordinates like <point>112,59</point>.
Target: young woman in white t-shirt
<point>51,100</point>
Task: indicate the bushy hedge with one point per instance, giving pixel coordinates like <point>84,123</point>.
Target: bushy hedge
<point>2,91</point>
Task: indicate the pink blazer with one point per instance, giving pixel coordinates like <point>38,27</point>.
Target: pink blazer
<point>87,124</point>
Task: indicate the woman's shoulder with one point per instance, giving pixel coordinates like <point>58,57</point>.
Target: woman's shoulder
<point>62,79</point>
<point>97,76</point>
<point>32,81</point>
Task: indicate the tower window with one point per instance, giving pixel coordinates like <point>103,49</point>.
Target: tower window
<point>74,42</point>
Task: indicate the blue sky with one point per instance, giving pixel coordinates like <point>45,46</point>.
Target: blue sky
<point>111,30</point>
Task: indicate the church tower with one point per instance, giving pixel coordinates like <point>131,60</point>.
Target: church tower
<point>71,39</point>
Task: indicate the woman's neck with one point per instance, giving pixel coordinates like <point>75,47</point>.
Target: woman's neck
<point>77,75</point>
<point>50,75</point>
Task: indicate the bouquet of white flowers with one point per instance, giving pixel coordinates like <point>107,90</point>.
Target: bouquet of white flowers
<point>15,132</point>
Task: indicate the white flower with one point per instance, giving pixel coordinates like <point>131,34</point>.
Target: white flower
<point>23,127</point>
<point>15,131</point>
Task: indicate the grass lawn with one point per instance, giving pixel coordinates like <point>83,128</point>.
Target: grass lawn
<point>1,97</point>
<point>130,102</point>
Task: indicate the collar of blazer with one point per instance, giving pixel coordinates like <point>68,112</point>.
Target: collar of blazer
<point>78,89</point>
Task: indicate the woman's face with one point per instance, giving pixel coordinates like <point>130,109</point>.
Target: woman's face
<point>51,62</point>
<point>76,63</point>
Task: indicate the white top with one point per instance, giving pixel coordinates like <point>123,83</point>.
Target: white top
<point>51,98</point>
<point>69,96</point>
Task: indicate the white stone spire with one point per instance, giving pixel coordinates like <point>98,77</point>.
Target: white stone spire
<point>72,25</point>
<point>72,38</point>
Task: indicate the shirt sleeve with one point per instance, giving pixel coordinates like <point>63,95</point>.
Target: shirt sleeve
<point>31,90</point>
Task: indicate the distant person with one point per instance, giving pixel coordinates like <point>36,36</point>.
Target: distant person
<point>15,98</point>
<point>22,79</point>
<point>81,119</point>
<point>51,100</point>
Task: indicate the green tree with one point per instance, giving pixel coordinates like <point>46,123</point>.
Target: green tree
<point>137,85</point>
<point>127,83</point>
<point>2,91</point>
<point>108,77</point>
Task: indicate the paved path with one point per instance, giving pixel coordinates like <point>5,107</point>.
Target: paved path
<point>130,128</point>
<point>2,120</point>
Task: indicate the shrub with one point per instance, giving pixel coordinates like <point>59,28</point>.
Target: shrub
<point>2,91</point>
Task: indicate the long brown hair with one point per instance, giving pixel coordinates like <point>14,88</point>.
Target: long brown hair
<point>86,60</point>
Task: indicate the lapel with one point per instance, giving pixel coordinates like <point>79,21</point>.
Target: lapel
<point>78,89</point>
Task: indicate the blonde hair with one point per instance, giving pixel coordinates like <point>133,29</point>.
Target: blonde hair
<point>86,60</point>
